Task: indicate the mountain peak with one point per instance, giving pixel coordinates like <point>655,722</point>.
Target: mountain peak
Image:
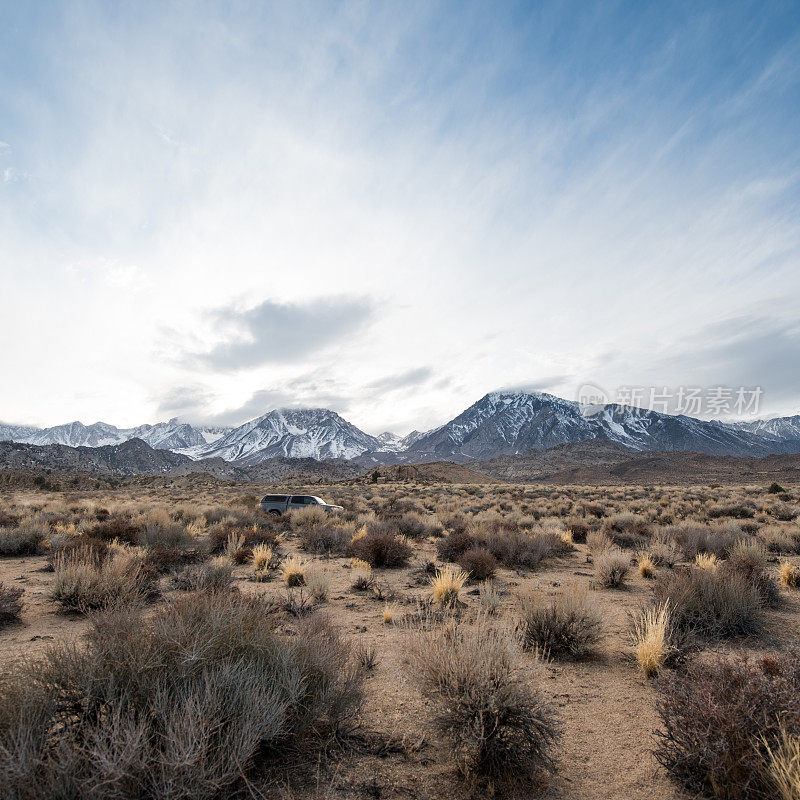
<point>503,422</point>
<point>292,433</point>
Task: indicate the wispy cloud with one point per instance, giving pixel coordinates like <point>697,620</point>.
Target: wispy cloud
<point>184,401</point>
<point>276,333</point>
<point>402,380</point>
<point>518,191</point>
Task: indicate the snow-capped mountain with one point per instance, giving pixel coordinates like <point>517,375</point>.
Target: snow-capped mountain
<point>393,443</point>
<point>787,428</point>
<point>76,434</point>
<point>15,433</point>
<point>501,423</point>
<point>507,423</point>
<point>173,435</point>
<point>294,433</point>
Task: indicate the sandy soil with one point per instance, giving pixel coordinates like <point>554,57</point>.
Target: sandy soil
<point>605,705</point>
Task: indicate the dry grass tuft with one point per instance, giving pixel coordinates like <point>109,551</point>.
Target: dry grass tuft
<point>784,765</point>
<point>598,542</point>
<point>263,557</point>
<point>319,587</point>
<point>363,579</point>
<point>489,598</point>
<point>293,571</point>
<point>446,585</point>
<point>789,575</point>
<point>652,638</point>
<point>389,613</point>
<point>235,548</point>
<point>646,565</point>
<point>707,561</point>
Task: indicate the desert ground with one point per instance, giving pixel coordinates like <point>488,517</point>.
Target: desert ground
<point>518,543</point>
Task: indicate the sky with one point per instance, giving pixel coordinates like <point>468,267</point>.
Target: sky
<point>209,210</point>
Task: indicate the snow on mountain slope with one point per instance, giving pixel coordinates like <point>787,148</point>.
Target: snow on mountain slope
<point>779,427</point>
<point>393,443</point>
<point>294,433</point>
<point>501,423</point>
<point>173,435</point>
<point>212,434</point>
<point>389,442</point>
<point>76,434</point>
<point>15,433</point>
<point>506,423</point>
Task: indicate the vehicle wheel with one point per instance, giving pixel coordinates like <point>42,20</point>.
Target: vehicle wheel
<point>275,512</point>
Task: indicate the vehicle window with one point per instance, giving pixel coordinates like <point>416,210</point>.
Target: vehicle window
<point>318,501</point>
<point>298,500</point>
<point>274,498</point>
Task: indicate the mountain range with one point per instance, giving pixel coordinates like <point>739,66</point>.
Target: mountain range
<point>499,424</point>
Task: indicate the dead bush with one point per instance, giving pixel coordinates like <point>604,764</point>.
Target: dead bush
<point>709,603</point>
<point>783,512</point>
<point>736,510</point>
<point>326,539</point>
<point>180,707</point>
<point>518,548</point>
<point>307,518</point>
<point>500,726</point>
<point>416,526</point>
<point>598,542</point>
<point>381,549</point>
<point>215,575</point>
<point>627,530</point>
<point>694,539</point>
<point>479,563</point>
<point>10,603</point>
<point>8,520</point>
<point>565,624</point>
<point>26,540</point>
<point>454,545</point>
<point>611,568</point>
<point>82,584</point>
<point>663,551</point>
<point>117,528</point>
<point>720,717</point>
<point>579,531</point>
<point>170,536</point>
<point>89,548</point>
<point>749,561</point>
<point>777,539</point>
<point>252,535</point>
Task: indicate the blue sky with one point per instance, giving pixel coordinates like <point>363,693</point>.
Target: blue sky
<point>391,209</point>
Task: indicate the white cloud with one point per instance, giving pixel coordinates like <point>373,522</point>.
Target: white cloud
<point>510,222</point>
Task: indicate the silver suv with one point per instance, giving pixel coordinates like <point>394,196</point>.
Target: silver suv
<point>278,503</point>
